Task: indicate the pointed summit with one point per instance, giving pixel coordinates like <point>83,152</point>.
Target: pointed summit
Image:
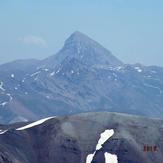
<point>78,38</point>
<point>77,34</point>
<point>86,50</point>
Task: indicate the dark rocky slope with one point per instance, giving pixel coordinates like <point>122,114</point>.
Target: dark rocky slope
<point>70,139</point>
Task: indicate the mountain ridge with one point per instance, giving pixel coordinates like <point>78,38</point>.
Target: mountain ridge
<point>67,83</point>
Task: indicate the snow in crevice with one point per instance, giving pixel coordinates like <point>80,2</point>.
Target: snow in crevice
<point>10,97</point>
<point>36,73</point>
<point>6,102</point>
<point>154,87</point>
<point>79,49</point>
<point>34,123</point>
<point>1,86</point>
<point>103,138</point>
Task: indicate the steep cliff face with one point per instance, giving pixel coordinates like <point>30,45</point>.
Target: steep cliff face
<point>71,139</point>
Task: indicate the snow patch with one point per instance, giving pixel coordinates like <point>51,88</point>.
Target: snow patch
<point>12,75</point>
<point>46,69</point>
<point>57,71</point>
<point>72,71</point>
<point>119,68</point>
<point>103,138</point>
<point>23,80</point>
<point>52,74</point>
<point>16,88</point>
<point>90,158</point>
<point>34,123</point>
<point>47,97</point>
<point>138,69</point>
<point>110,158</point>
<point>3,103</point>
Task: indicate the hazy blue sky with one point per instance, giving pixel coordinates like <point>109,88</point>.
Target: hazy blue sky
<point>131,29</point>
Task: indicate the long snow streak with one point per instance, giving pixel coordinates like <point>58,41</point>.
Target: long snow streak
<point>34,123</point>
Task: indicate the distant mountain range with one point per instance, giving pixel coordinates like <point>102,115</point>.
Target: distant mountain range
<point>71,139</point>
<point>82,77</point>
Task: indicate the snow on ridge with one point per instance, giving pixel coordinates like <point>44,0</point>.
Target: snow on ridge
<point>2,132</point>
<point>109,158</point>
<point>36,123</point>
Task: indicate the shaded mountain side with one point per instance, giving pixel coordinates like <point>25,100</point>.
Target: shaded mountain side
<point>70,139</point>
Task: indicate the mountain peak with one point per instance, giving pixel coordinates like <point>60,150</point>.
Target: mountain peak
<point>77,38</point>
<point>77,34</point>
<point>86,50</point>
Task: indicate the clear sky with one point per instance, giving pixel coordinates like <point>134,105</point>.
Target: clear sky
<point>131,29</point>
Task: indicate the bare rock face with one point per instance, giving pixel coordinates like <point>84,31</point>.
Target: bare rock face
<point>70,139</point>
